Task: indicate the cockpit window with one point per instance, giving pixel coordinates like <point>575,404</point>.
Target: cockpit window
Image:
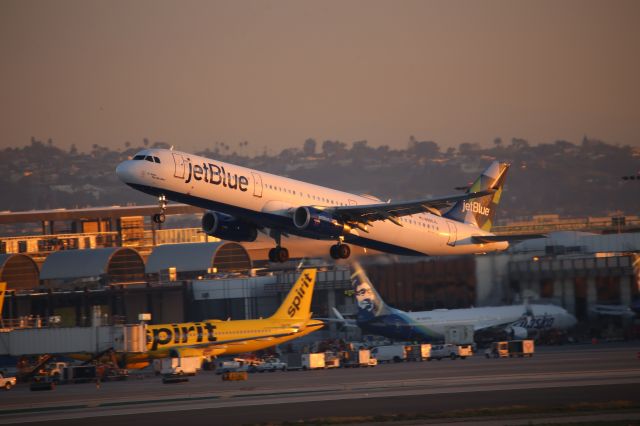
<point>139,157</point>
<point>156,159</point>
<point>149,158</point>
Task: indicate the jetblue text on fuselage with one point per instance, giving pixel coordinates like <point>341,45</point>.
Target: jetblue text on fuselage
<point>216,175</point>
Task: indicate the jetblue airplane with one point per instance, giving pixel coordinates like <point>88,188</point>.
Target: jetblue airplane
<point>376,317</point>
<point>242,201</point>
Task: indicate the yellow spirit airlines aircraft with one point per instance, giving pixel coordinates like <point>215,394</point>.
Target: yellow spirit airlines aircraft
<point>243,201</point>
<point>213,338</point>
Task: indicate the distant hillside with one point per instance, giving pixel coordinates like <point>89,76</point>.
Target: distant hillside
<point>561,177</point>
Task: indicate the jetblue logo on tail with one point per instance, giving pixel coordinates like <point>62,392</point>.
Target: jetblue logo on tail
<point>475,207</point>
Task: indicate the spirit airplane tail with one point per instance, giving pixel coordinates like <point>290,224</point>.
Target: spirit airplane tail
<point>481,211</point>
<point>297,304</point>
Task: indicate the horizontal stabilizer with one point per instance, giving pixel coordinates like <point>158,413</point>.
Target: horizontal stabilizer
<point>482,239</point>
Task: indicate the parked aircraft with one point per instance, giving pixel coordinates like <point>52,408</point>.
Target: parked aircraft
<point>243,201</point>
<point>213,338</point>
<point>376,317</point>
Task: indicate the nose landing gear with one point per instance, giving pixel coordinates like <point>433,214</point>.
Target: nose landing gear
<point>160,217</point>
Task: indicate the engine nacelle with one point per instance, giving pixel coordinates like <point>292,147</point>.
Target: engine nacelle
<point>227,227</point>
<point>518,332</point>
<point>318,224</point>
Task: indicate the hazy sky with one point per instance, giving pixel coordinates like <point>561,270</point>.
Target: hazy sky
<point>277,72</point>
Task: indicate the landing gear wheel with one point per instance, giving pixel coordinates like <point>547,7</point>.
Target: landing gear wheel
<point>340,251</point>
<point>279,254</point>
<point>159,218</point>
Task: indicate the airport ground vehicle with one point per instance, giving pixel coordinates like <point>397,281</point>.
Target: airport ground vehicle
<point>187,365</point>
<point>332,360</point>
<point>269,364</point>
<point>512,348</point>
<point>7,383</point>
<point>389,353</point>
<point>521,348</point>
<point>418,352</point>
<point>497,350</point>
<point>357,358</point>
<point>311,361</point>
<point>451,351</point>
<point>237,364</point>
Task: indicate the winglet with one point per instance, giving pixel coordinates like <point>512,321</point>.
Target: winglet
<point>297,304</point>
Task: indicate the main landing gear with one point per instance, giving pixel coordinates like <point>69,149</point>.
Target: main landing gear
<point>278,254</point>
<point>340,251</point>
<point>160,217</point>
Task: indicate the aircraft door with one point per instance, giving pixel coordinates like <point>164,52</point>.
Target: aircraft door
<point>453,233</point>
<point>178,161</point>
<point>257,185</point>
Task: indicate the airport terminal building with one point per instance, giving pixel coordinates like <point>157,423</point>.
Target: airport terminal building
<point>126,266</point>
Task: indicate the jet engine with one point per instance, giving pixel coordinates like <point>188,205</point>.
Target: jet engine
<point>227,227</point>
<point>318,223</point>
<point>518,332</point>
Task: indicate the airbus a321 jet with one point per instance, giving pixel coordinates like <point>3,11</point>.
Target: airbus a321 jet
<point>242,201</point>
<point>376,317</point>
<point>213,338</point>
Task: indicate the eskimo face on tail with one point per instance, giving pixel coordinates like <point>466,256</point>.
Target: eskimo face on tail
<point>367,298</point>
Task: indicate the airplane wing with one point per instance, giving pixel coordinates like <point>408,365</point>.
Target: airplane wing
<point>391,211</point>
<point>340,319</point>
<point>480,239</point>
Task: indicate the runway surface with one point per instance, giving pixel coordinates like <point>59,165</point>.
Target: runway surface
<point>553,377</point>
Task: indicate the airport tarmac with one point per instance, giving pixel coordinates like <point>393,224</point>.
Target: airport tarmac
<point>555,376</point>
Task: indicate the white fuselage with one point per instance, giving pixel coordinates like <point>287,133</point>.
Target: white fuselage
<point>269,200</point>
<point>541,317</point>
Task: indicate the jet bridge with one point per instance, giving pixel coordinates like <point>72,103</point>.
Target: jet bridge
<point>65,340</point>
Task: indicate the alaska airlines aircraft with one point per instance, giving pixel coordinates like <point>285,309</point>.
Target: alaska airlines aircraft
<point>243,201</point>
<point>213,338</point>
<point>376,317</point>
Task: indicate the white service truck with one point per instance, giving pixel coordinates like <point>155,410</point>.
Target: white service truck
<point>7,383</point>
<point>186,366</point>
<point>389,353</point>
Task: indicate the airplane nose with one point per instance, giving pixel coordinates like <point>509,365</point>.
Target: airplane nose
<point>124,172</point>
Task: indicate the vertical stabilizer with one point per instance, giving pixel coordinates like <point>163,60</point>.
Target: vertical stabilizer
<point>481,211</point>
<point>369,302</point>
<point>297,304</point>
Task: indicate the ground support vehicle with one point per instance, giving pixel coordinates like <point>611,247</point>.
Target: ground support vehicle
<point>311,361</point>
<point>235,376</point>
<point>41,383</point>
<point>79,374</point>
<point>497,350</point>
<point>512,348</point>
<point>187,365</point>
<point>7,383</point>
<point>269,364</point>
<point>521,348</point>
<point>236,365</point>
<point>389,353</point>
<point>332,360</point>
<point>451,351</point>
<point>358,358</point>
<point>465,351</point>
<point>418,352</point>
